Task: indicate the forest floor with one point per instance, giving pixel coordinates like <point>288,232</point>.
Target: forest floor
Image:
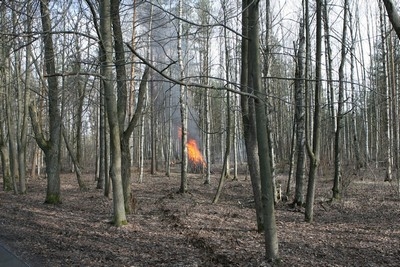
<point>169,229</point>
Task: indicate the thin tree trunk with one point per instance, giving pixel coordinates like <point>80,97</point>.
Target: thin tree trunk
<point>228,97</point>
<point>153,130</point>
<point>183,107</point>
<point>330,87</point>
<point>223,172</point>
<point>11,132</point>
<point>336,190</point>
<point>75,161</point>
<point>102,143</point>
<point>205,20</point>
<point>386,93</point>
<point>5,159</point>
<point>142,119</point>
<point>355,139</point>
<point>314,151</point>
<point>24,110</point>
<point>291,158</point>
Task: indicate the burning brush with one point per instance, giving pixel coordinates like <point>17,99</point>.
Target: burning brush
<point>196,160</point>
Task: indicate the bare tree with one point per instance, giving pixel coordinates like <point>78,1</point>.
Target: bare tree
<point>24,106</point>
<point>314,150</point>
<point>300,120</point>
<point>386,118</point>
<point>183,104</point>
<point>112,112</point>
<point>249,121</point>
<point>50,147</point>
<point>122,90</point>
<point>225,173</point>
<point>254,81</point>
<point>339,117</point>
<point>4,51</point>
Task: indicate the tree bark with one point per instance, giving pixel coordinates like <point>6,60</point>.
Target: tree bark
<point>249,122</point>
<point>122,101</point>
<point>51,147</point>
<point>112,112</point>
<point>314,151</point>
<point>5,160</point>
<point>24,110</point>
<point>183,107</point>
<point>387,140</point>
<point>336,190</point>
<point>75,161</point>
<point>300,122</point>
<point>394,16</point>
<point>330,87</point>
<point>267,197</point>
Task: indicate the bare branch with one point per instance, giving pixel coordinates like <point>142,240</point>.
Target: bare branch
<point>180,82</point>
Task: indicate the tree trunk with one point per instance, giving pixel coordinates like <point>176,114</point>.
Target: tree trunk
<point>24,108</point>
<point>300,120</point>
<point>314,151</point>
<point>250,138</point>
<point>267,198</point>
<point>11,132</point>
<point>330,87</point>
<point>249,122</point>
<point>102,141</point>
<point>393,16</point>
<point>183,107</point>
<point>75,161</point>
<point>336,190</point>
<point>122,101</point>
<point>387,141</point>
<point>51,148</point>
<point>112,112</point>
<point>5,161</point>
<point>354,108</point>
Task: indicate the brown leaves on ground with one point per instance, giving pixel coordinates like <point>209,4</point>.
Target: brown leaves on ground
<point>169,229</point>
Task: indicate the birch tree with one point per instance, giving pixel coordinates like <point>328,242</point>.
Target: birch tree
<point>386,112</point>
<point>183,104</point>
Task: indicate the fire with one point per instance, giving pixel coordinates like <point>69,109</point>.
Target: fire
<point>194,153</point>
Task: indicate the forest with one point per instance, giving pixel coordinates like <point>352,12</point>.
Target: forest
<point>200,133</point>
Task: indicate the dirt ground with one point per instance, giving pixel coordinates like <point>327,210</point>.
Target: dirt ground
<point>168,229</point>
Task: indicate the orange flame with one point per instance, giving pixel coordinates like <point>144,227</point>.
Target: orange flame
<point>194,153</point>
